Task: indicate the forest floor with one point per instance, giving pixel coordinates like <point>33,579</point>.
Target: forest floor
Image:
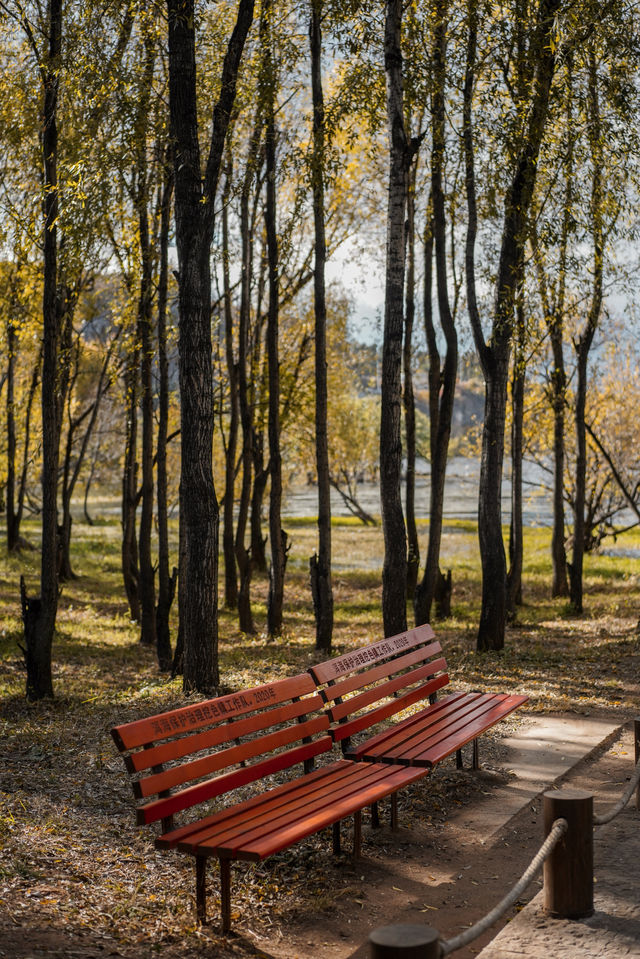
<point>78,879</point>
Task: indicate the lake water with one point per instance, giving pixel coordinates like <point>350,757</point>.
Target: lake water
<point>461,495</point>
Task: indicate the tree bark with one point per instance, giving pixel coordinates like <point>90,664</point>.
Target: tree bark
<point>166,580</point>
<point>129,544</point>
<point>516,543</point>
<point>146,584</point>
<point>277,536</point>
<point>442,376</point>
<point>39,615</point>
<point>228,539</point>
<point>582,344</point>
<point>494,356</point>
<point>13,521</point>
<point>194,214</point>
<point>394,570</point>
<point>408,398</point>
<point>320,564</point>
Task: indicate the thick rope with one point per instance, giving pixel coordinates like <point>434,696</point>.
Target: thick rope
<point>619,806</point>
<point>558,830</point>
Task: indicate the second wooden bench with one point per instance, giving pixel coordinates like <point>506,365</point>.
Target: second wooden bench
<point>369,686</point>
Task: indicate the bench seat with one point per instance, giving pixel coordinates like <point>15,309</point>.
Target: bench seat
<point>430,735</point>
<point>276,819</point>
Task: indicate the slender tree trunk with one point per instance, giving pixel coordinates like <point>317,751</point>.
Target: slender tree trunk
<point>194,214</point>
<point>516,544</point>
<point>166,580</point>
<point>413,552</point>
<point>39,615</point>
<point>13,526</point>
<point>244,555</point>
<point>560,585</point>
<point>129,545</point>
<point>22,484</point>
<point>494,357</point>
<point>442,376</point>
<point>228,539</point>
<point>277,536</point>
<point>584,342</point>
<point>320,564</point>
<point>394,570</point>
<point>146,585</point>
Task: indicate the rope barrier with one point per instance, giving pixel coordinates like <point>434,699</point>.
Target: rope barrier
<point>619,806</point>
<point>558,830</point>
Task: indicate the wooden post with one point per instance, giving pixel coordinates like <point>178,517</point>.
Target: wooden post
<point>394,811</point>
<point>404,942</point>
<point>636,728</point>
<point>568,872</point>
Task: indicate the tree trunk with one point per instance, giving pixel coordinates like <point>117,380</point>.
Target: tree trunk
<point>194,215</point>
<point>39,615</point>
<point>129,545</point>
<point>146,583</point>
<point>13,525</point>
<point>442,376</point>
<point>494,357</point>
<point>320,564</point>
<point>394,570</point>
<point>244,555</point>
<point>560,585</point>
<point>228,539</point>
<point>583,343</point>
<point>166,580</point>
<point>413,552</point>
<point>516,545</point>
<point>15,511</point>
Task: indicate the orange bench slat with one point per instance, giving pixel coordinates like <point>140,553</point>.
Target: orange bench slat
<point>427,730</point>
<point>190,718</point>
<point>201,792</point>
<point>464,733</point>
<point>226,731</point>
<point>223,758</point>
<point>398,734</point>
<point>388,780</point>
<point>343,687</point>
<point>334,668</point>
<point>374,716</point>
<point>388,688</point>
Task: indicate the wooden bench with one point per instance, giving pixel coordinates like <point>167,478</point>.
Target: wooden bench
<point>190,756</point>
<point>373,684</point>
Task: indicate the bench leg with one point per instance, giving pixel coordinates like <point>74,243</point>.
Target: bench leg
<point>459,763</point>
<point>336,838</point>
<point>357,835</point>
<point>375,816</point>
<point>476,755</point>
<point>201,889</point>
<point>394,811</point>
<point>225,895</point>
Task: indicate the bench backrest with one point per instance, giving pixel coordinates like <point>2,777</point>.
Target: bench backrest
<point>193,754</point>
<point>369,685</point>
